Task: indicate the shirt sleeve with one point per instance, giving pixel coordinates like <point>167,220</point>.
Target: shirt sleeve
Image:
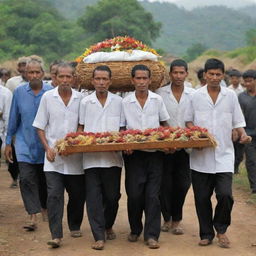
<point>6,112</point>
<point>82,113</point>
<point>238,117</point>
<point>14,119</point>
<point>42,116</point>
<point>164,116</point>
<point>189,113</point>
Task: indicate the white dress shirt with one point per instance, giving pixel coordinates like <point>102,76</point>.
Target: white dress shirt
<point>176,110</point>
<point>57,119</point>
<point>219,118</point>
<point>98,118</point>
<point>150,116</point>
<point>237,90</point>
<point>5,104</point>
<point>13,82</point>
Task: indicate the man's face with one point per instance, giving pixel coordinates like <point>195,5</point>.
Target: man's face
<point>64,77</point>
<point>235,80</point>
<point>249,83</point>
<point>34,74</point>
<point>178,75</point>
<point>22,70</point>
<point>213,77</point>
<point>101,81</point>
<point>141,81</point>
<point>53,72</point>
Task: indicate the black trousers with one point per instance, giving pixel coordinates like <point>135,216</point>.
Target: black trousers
<point>142,182</point>
<point>203,185</point>
<point>176,181</point>
<point>13,168</point>
<point>250,163</point>
<point>102,196</point>
<point>239,155</point>
<point>33,187</point>
<point>75,187</point>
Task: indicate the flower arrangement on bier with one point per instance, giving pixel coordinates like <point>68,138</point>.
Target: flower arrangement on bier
<point>119,43</point>
<point>134,136</point>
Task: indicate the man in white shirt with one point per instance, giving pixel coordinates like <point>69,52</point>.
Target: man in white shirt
<point>101,111</point>
<point>58,115</point>
<point>217,109</point>
<point>176,178</point>
<point>15,81</point>
<point>235,79</point>
<point>144,109</point>
<point>5,104</point>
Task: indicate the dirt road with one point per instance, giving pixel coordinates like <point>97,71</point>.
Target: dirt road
<point>14,241</point>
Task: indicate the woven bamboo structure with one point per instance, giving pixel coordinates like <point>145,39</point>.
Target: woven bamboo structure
<point>121,74</point>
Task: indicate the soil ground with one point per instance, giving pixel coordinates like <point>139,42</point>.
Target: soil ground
<point>14,241</point>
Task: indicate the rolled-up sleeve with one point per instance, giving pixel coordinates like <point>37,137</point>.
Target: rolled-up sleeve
<point>42,116</point>
<point>14,119</point>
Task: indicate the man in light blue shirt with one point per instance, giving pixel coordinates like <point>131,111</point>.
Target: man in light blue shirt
<point>29,151</point>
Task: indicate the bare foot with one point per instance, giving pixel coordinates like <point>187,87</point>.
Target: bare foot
<point>98,245</point>
<point>223,241</point>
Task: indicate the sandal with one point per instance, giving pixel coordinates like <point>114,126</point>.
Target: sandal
<point>98,245</point>
<point>30,226</point>
<point>178,231</point>
<point>166,226</point>
<point>152,243</point>
<point>75,233</point>
<point>205,242</point>
<point>110,234</point>
<point>54,243</point>
<point>223,241</point>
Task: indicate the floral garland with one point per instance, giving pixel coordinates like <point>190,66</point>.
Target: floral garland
<point>131,136</point>
<point>119,43</point>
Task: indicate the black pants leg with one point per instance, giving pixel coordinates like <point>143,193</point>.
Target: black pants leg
<point>75,186</point>
<point>223,191</point>
<point>94,203</point>
<point>250,163</point>
<point>42,185</point>
<point>29,187</point>
<point>111,179</point>
<point>143,180</point>
<point>203,186</point>
<point>13,168</point>
<point>239,155</point>
<point>55,202</point>
<point>175,184</point>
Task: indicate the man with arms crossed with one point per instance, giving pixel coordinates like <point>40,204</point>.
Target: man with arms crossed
<point>58,115</point>
<point>217,109</point>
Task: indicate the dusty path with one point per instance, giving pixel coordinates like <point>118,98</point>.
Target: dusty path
<point>16,242</point>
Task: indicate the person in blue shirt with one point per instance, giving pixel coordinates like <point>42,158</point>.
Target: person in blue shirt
<point>29,150</point>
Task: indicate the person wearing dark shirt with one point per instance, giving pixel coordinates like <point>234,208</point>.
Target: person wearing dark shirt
<point>247,100</point>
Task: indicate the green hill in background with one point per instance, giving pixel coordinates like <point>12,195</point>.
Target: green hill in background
<point>214,27</point>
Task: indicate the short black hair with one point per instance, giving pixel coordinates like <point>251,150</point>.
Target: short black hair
<point>140,67</point>
<point>55,63</point>
<point>250,73</point>
<point>214,64</point>
<point>200,74</point>
<point>102,68</point>
<point>234,72</point>
<point>179,63</point>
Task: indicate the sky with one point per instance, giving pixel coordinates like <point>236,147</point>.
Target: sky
<point>190,4</point>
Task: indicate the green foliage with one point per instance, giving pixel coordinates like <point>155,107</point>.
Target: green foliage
<point>194,51</point>
<point>247,53</point>
<point>35,27</point>
<point>110,18</point>
<point>251,37</point>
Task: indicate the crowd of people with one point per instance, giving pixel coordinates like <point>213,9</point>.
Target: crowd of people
<point>35,113</point>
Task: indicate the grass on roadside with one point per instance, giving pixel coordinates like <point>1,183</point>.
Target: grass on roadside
<point>241,182</point>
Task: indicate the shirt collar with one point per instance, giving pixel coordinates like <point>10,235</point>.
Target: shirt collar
<point>94,98</point>
<point>223,90</point>
<point>151,95</point>
<point>56,93</point>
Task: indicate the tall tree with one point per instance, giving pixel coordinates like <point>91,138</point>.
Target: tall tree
<point>110,18</point>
